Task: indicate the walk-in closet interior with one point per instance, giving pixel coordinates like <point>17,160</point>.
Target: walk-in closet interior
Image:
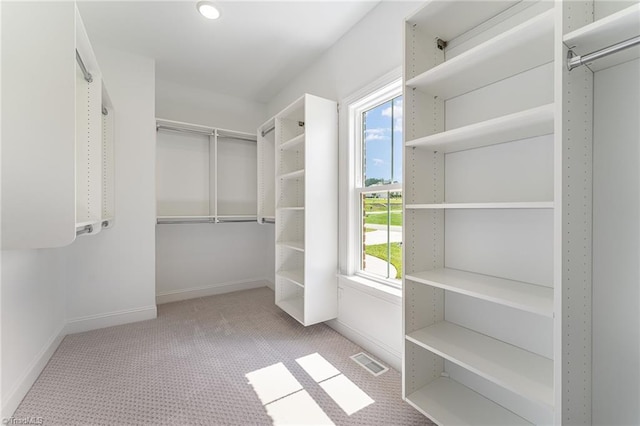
<point>204,222</point>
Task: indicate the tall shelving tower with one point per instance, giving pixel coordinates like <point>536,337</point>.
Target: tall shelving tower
<point>497,234</point>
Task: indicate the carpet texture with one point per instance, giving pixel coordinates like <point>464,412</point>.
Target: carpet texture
<point>189,367</point>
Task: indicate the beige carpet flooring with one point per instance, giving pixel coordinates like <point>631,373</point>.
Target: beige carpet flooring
<point>203,362</point>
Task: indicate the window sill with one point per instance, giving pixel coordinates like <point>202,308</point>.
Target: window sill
<point>372,287</point>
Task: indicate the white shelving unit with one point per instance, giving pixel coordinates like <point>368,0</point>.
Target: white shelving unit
<point>70,180</point>
<point>205,174</point>
<point>490,182</point>
<point>266,172</point>
<point>306,171</point>
<point>108,161</point>
<point>605,32</point>
<point>600,102</point>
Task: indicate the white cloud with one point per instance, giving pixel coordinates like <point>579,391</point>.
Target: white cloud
<point>377,161</point>
<point>376,134</point>
<point>397,126</point>
<point>397,111</point>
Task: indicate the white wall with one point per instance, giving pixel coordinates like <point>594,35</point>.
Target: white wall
<point>33,317</point>
<point>112,274</point>
<point>370,50</point>
<point>616,241</point>
<point>197,106</point>
<point>195,260</point>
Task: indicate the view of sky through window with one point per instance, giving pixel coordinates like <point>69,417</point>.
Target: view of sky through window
<point>382,209</point>
<point>382,127</point>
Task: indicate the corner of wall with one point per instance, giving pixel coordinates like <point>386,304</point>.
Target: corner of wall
<point>12,400</point>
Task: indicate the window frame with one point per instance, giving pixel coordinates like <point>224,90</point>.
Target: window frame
<point>386,89</point>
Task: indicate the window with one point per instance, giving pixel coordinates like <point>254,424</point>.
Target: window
<point>376,123</point>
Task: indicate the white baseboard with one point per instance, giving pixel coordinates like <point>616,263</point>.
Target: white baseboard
<point>94,322</point>
<point>270,284</point>
<point>368,343</point>
<point>28,378</point>
<point>209,290</point>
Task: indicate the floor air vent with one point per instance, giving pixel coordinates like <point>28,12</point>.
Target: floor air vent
<point>369,364</point>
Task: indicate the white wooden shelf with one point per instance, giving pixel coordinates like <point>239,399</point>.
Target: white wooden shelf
<point>435,16</point>
<point>293,143</point>
<point>296,276</point>
<point>515,369</point>
<point>515,294</point>
<point>186,217</point>
<point>524,47</point>
<point>292,175</point>
<point>605,32</point>
<point>294,306</point>
<point>236,218</point>
<point>160,220</point>
<point>521,125</point>
<point>294,245</point>
<point>447,402</point>
<point>306,134</point>
<point>505,205</point>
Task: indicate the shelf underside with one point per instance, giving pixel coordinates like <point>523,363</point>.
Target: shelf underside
<point>521,125</point>
<point>447,402</point>
<point>296,142</point>
<point>435,16</point>
<point>513,368</point>
<point>295,276</point>
<point>294,306</point>
<point>497,59</point>
<point>292,175</point>
<point>295,245</point>
<point>519,295</point>
<point>606,32</point>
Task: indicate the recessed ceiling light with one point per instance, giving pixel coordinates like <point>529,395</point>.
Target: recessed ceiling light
<point>208,10</point>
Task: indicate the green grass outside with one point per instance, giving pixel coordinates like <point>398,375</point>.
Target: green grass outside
<point>380,251</point>
<point>380,204</point>
<point>381,219</point>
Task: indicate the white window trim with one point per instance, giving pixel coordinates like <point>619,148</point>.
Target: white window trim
<point>385,88</point>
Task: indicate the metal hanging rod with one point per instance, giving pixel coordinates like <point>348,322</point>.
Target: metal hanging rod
<point>203,220</point>
<point>221,134</point>
<point>83,68</point>
<point>269,130</point>
<point>179,221</point>
<point>267,220</point>
<point>184,130</point>
<point>87,229</point>
<point>272,128</point>
<point>230,220</point>
<point>574,61</point>
<point>240,138</point>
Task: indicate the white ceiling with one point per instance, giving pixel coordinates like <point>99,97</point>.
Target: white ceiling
<point>252,51</point>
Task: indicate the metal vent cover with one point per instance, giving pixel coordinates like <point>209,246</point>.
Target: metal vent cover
<point>369,364</point>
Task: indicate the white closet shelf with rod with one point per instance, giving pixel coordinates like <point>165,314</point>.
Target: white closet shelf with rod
<point>266,196</point>
<point>178,126</point>
<point>204,174</point>
<point>614,38</point>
